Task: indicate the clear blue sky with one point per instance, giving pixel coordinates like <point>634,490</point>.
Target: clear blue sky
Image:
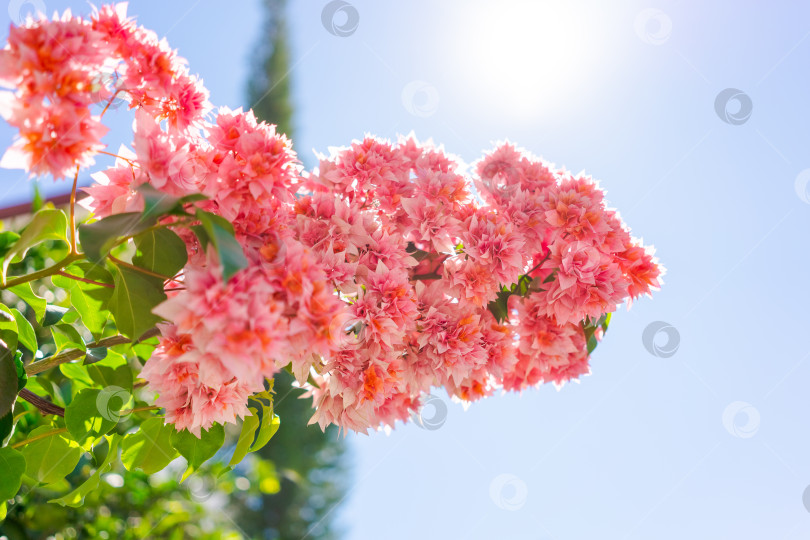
<point>640,449</point>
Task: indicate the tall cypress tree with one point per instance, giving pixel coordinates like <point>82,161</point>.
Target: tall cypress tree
<point>308,461</point>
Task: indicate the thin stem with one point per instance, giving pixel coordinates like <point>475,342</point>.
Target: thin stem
<point>85,280</point>
<point>72,354</point>
<point>131,163</point>
<point>110,102</point>
<point>38,437</point>
<point>119,262</point>
<point>45,272</point>
<point>73,246</point>
<point>41,403</point>
<point>174,289</point>
<point>139,409</point>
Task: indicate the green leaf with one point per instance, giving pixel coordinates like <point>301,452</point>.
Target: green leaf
<point>22,376</point>
<point>143,349</point>
<point>246,437</point>
<point>135,295</point>
<point>50,458</point>
<point>220,234</point>
<point>96,354</point>
<point>26,335</point>
<point>105,376</point>
<point>66,336</point>
<point>26,293</point>
<point>88,299</point>
<point>157,204</point>
<point>77,373</point>
<point>150,448</point>
<point>47,224</point>
<point>8,369</point>
<point>53,314</point>
<point>269,420</point>
<point>605,321</point>
<point>198,450</point>
<point>98,238</point>
<point>8,329</point>
<point>92,414</point>
<point>76,497</point>
<point>7,239</point>
<point>37,202</point>
<point>160,251</point>
<point>6,428</point>
<point>12,468</point>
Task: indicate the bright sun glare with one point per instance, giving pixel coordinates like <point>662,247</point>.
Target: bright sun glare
<point>526,58</point>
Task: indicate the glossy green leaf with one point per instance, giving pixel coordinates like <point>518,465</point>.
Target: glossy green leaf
<point>6,427</point>
<point>66,336</point>
<point>88,299</point>
<point>76,497</point>
<point>150,448</point>
<point>50,458</point>
<point>22,376</point>
<point>8,369</point>
<point>98,238</point>
<point>27,294</point>
<point>135,295</point>
<point>53,314</point>
<point>220,233</point>
<point>77,373</point>
<point>47,224</point>
<point>198,450</point>
<point>96,354</point>
<point>92,414</point>
<point>12,468</point>
<point>246,437</point>
<point>7,239</point>
<point>105,376</point>
<point>26,335</point>
<point>269,420</point>
<point>157,204</point>
<point>160,251</point>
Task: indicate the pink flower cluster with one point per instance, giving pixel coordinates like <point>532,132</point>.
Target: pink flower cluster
<point>422,253</point>
<point>384,273</point>
<point>62,67</point>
